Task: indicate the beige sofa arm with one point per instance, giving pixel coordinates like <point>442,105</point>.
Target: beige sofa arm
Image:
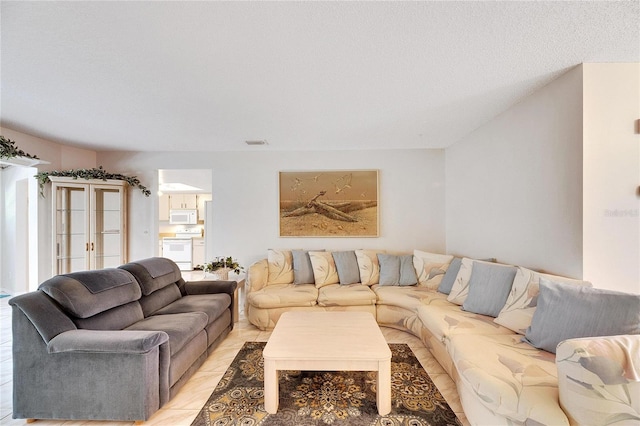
<point>599,379</point>
<point>257,276</point>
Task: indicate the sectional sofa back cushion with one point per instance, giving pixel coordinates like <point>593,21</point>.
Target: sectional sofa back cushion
<point>567,311</point>
<point>302,268</point>
<point>324,268</point>
<point>489,287</point>
<point>369,266</point>
<point>517,312</point>
<point>430,267</point>
<point>450,276</point>
<point>159,280</point>
<point>104,299</point>
<point>346,266</point>
<point>280,266</point>
<point>460,287</point>
<point>397,270</point>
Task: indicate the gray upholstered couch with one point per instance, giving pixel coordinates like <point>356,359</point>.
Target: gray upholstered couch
<point>113,344</point>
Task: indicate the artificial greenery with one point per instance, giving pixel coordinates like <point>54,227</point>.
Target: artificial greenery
<point>8,149</point>
<point>223,262</point>
<point>99,173</point>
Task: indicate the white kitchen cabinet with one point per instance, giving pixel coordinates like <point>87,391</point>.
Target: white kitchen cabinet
<point>89,224</point>
<point>183,201</point>
<point>198,252</point>
<point>163,207</point>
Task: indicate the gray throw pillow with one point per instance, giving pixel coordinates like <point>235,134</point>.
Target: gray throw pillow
<point>397,270</point>
<point>347,266</point>
<point>450,276</point>
<point>568,311</point>
<point>489,287</point>
<point>302,269</point>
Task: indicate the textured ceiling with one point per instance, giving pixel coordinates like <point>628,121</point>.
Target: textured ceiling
<point>206,76</point>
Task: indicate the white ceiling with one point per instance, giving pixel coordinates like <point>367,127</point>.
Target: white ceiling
<point>206,76</point>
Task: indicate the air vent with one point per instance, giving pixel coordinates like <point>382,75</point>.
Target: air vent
<point>254,143</point>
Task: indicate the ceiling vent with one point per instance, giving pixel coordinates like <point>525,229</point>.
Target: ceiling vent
<point>255,143</point>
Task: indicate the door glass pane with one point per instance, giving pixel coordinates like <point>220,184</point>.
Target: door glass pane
<point>107,235</point>
<point>71,241</point>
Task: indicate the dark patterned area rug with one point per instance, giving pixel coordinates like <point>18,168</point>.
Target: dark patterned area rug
<point>325,398</point>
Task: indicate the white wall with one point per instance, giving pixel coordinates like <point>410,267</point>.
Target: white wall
<point>245,198</point>
<point>612,176</point>
<point>514,186</point>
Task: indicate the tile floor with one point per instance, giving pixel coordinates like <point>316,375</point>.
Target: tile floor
<point>184,407</point>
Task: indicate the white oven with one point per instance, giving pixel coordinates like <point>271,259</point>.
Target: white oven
<point>179,249</point>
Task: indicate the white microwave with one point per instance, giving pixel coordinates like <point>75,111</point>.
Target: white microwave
<point>183,217</point>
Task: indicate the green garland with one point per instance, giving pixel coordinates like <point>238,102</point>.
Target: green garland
<point>8,149</point>
<point>99,173</point>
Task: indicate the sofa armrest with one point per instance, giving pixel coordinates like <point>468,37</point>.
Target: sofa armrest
<point>257,276</point>
<point>107,341</point>
<point>599,379</point>
<point>210,287</point>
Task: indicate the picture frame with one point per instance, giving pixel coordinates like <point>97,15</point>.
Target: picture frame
<point>329,203</point>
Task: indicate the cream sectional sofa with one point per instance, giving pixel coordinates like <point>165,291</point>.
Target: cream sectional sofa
<point>494,328</point>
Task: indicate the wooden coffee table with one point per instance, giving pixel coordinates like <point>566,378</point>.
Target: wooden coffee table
<point>327,341</point>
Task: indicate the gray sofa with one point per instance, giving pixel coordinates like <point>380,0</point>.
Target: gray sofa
<point>113,344</point>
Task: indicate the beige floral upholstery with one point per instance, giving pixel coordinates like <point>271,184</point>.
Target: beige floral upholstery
<point>509,377</point>
<point>280,266</point>
<point>449,320</point>
<point>346,295</point>
<point>324,268</point>
<point>430,267</point>
<point>283,295</point>
<point>599,380</point>
<point>266,319</point>
<point>521,303</point>
<point>369,266</point>
<point>460,289</point>
<point>409,297</point>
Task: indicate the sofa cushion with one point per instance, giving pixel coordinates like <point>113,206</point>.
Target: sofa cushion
<point>397,270</point>
<point>408,297</point>
<point>211,304</point>
<point>518,310</point>
<point>280,266</point>
<point>460,288</point>
<point>450,276</point>
<point>116,318</point>
<point>283,295</point>
<point>181,328</point>
<point>489,287</point>
<point>509,377</point>
<point>566,311</point>
<point>154,273</point>
<point>430,267</point>
<point>599,379</point>
<point>346,295</point>
<point>324,268</point>
<point>368,266</point>
<point>449,320</point>
<point>84,294</point>
<point>302,268</point>
<point>347,266</point>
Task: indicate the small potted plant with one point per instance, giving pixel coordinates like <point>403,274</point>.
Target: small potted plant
<point>221,266</point>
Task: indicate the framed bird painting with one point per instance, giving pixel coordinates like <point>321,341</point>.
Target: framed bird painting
<point>329,203</point>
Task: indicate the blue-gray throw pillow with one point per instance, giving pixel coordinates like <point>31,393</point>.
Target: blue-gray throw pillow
<point>450,276</point>
<point>347,266</point>
<point>302,269</point>
<point>397,270</point>
<point>489,287</point>
<point>568,311</point>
